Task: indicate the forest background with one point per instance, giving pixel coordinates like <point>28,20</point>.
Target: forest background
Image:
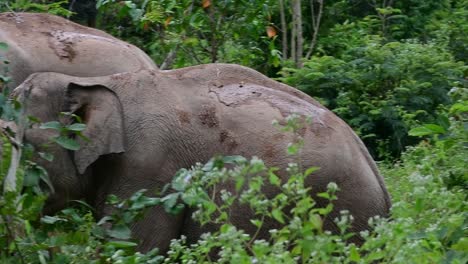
<point>394,70</point>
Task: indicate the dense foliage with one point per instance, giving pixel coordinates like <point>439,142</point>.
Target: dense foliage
<point>383,66</point>
<point>394,70</point>
<point>428,222</point>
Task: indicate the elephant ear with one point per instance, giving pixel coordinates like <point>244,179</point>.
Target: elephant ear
<point>100,109</point>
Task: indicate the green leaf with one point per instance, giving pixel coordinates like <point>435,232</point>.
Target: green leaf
<point>459,108</point>
<point>427,129</point>
<point>34,119</point>
<point>316,221</point>
<point>274,180</point>
<point>234,159</point>
<point>120,232</point>
<point>169,201</point>
<point>256,222</point>
<point>354,254</point>
<point>67,143</point>
<point>278,215</point>
<point>121,244</point>
<point>461,245</point>
<point>32,177</point>
<point>76,127</point>
<point>104,220</point>
<point>3,46</point>
<point>292,149</point>
<point>45,178</point>
<point>52,219</point>
<point>46,156</point>
<point>311,170</point>
<point>51,125</point>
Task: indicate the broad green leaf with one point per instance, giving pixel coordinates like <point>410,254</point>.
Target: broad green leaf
<point>278,215</point>
<point>274,180</point>
<point>67,143</point>
<point>52,219</point>
<point>354,254</point>
<point>32,177</point>
<point>121,244</point>
<point>427,129</point>
<point>104,220</point>
<point>436,128</point>
<point>51,125</point>
<point>316,221</point>
<point>3,46</point>
<point>120,232</point>
<point>76,127</point>
<point>46,156</point>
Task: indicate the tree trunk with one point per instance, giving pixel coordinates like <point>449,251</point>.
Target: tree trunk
<point>300,39</point>
<point>284,30</point>
<point>297,40</point>
<point>293,37</point>
<point>213,41</point>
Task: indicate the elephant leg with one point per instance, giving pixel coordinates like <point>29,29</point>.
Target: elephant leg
<point>157,227</point>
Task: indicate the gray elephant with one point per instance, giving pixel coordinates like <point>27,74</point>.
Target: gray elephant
<point>145,126</point>
<point>48,43</point>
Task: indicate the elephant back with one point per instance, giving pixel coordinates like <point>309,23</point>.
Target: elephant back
<point>48,43</point>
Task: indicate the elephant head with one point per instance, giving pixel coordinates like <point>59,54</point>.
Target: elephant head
<point>97,106</point>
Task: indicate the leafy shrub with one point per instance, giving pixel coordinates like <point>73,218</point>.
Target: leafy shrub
<point>184,33</point>
<point>46,6</point>
<point>382,90</point>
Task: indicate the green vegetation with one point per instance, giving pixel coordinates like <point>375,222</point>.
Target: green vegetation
<point>383,66</point>
<point>394,70</point>
<point>428,222</point>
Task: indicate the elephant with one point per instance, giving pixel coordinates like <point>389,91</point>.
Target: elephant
<point>144,126</point>
<point>47,43</point>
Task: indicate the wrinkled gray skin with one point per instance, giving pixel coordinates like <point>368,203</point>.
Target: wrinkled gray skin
<point>145,126</point>
<point>48,43</point>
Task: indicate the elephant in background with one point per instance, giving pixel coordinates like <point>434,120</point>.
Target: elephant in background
<point>144,126</point>
<point>48,43</point>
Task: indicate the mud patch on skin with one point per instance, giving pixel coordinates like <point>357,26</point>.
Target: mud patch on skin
<point>208,117</point>
<point>184,117</point>
<point>62,45</point>
<point>237,95</point>
<point>227,139</point>
<point>270,151</point>
<point>278,137</point>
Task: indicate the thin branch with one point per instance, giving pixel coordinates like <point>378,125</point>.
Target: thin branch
<point>316,29</point>
<point>169,60</point>
<point>10,184</point>
<point>312,10</point>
